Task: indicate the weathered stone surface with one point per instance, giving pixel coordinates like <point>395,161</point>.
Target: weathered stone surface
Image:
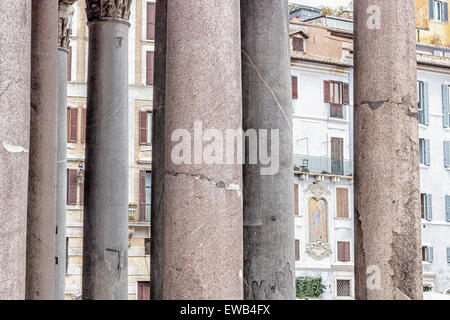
<point>387,221</point>
<point>15,41</point>
<point>202,202</point>
<point>116,9</point>
<point>268,199</point>
<point>41,219</point>
<point>159,97</point>
<point>105,225</point>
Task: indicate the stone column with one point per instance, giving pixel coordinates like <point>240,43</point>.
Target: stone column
<point>387,215</point>
<point>41,223</point>
<point>202,196</point>
<point>15,40</point>
<point>105,227</point>
<point>64,30</point>
<point>269,268</point>
<point>159,97</point>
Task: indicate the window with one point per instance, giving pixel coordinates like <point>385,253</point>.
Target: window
<point>143,292</point>
<point>448,257</point>
<point>296,209</point>
<point>337,156</point>
<point>150,21</point>
<point>427,254</point>
<point>147,246</point>
<point>424,149</point>
<point>72,186</point>
<point>149,67</point>
<point>447,154</point>
<point>67,255</point>
<point>426,206</point>
<point>343,249</point>
<point>422,102</point>
<point>447,208</point>
<point>145,127</point>
<point>343,289</point>
<point>297,250</point>
<point>438,10</point>
<point>336,94</point>
<point>72,125</point>
<point>446,105</point>
<point>297,44</point>
<point>294,81</point>
<point>145,195</point>
<point>342,203</point>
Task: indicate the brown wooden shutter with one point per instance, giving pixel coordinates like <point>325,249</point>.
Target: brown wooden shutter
<point>326,91</point>
<point>297,250</point>
<point>294,87</point>
<point>142,174</point>
<point>344,199</point>
<point>346,251</point>
<point>83,126</point>
<point>337,148</point>
<point>149,67</point>
<point>341,248</point>
<point>143,127</point>
<point>150,21</point>
<point>345,94</point>
<point>143,290</point>
<point>69,64</point>
<point>297,44</point>
<point>72,125</point>
<point>338,203</point>
<point>296,212</point>
<point>81,194</point>
<point>72,182</point>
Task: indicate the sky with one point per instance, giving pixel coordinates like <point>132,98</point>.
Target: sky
<point>320,3</point>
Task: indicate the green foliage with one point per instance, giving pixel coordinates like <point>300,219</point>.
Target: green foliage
<point>427,288</point>
<point>309,287</point>
<point>296,168</point>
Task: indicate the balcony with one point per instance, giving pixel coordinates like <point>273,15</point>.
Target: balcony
<point>323,165</point>
<point>134,216</point>
<point>337,111</point>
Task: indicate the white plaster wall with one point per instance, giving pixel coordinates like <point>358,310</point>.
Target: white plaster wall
<point>435,180</point>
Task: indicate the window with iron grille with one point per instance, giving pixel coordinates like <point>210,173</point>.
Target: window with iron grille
<point>343,288</point>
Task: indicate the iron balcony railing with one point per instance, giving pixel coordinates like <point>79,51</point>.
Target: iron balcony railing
<point>323,165</point>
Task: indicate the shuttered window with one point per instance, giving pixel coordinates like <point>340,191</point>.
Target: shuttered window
<point>427,253</point>
<point>69,64</point>
<point>297,250</point>
<point>447,208</point>
<point>446,105</point>
<point>149,67</point>
<point>145,195</point>
<point>147,244</point>
<point>83,126</point>
<point>150,21</point>
<point>326,91</point>
<point>296,212</point>
<point>294,81</point>
<point>337,156</point>
<point>143,290</point>
<point>297,44</point>
<point>343,248</point>
<point>72,125</point>
<point>145,127</point>
<point>72,185</point>
<point>447,154</point>
<point>423,103</point>
<point>424,149</point>
<point>438,10</point>
<point>428,207</point>
<point>342,202</point>
<point>448,255</point>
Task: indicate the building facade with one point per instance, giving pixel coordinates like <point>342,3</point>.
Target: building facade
<point>322,115</point>
<point>140,51</point>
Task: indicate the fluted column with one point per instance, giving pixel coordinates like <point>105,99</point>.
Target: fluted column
<point>202,198</point>
<point>15,53</point>
<point>269,268</point>
<point>159,97</point>
<point>41,219</point>
<point>64,30</point>
<point>387,213</point>
<point>105,227</point>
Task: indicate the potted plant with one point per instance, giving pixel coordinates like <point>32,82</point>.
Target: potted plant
<point>309,287</point>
